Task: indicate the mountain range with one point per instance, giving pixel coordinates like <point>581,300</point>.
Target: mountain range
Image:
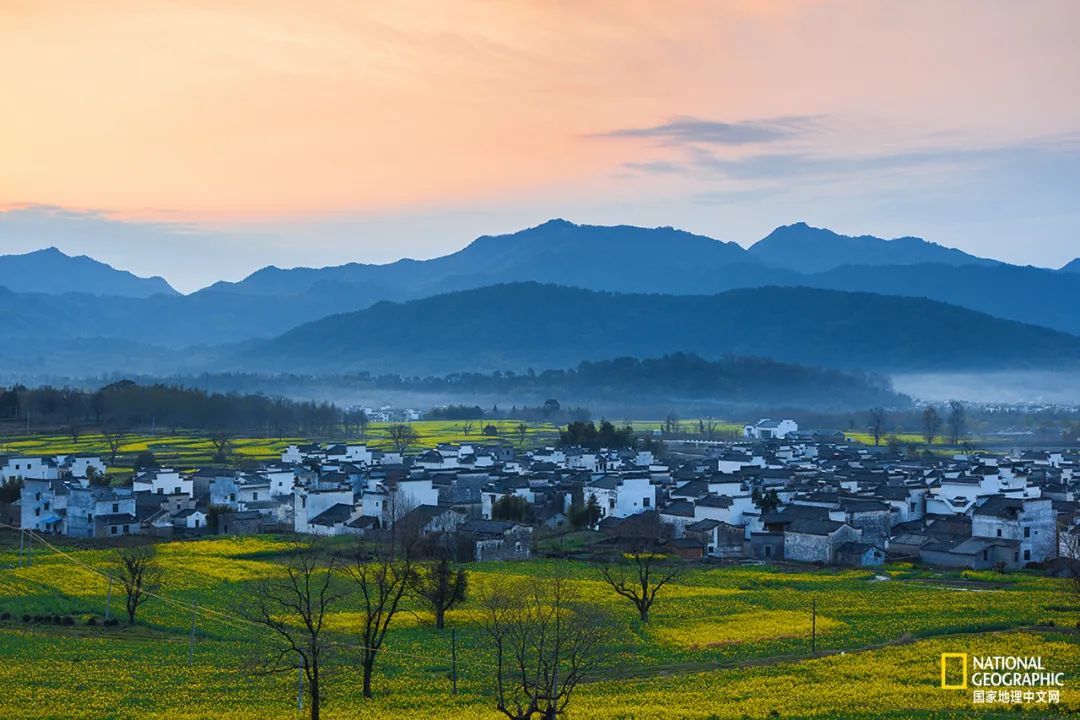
<point>52,272</point>
<point>519,325</point>
<point>804,295</point>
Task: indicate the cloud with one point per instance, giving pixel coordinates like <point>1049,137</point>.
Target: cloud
<point>686,130</point>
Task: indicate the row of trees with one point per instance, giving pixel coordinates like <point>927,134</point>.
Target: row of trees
<point>542,638</point>
<point>954,420</point>
<point>125,404</point>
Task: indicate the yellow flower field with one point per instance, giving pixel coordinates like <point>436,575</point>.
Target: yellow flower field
<point>728,642</point>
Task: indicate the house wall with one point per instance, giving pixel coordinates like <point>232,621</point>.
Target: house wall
<point>1037,519</point>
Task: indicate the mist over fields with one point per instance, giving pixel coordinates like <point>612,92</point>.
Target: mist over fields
<point>1011,387</point>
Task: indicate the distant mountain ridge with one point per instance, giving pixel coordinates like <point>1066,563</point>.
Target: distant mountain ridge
<point>53,272</point>
<point>806,249</point>
<point>519,325</point>
<point>622,259</point>
<point>1072,266</point>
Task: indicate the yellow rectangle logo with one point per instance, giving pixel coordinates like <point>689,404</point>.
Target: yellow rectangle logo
<point>962,657</point>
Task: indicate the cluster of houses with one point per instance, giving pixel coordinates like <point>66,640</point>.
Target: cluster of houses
<point>778,495</point>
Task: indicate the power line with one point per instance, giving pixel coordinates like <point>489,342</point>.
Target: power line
<point>236,622</point>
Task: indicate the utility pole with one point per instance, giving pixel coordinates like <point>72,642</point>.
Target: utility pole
<point>22,539</point>
<point>191,643</point>
<point>108,599</point>
<point>453,659</point>
<point>813,626</point>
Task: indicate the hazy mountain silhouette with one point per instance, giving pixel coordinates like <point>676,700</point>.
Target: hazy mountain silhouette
<point>514,326</point>
<point>1073,266</point>
<point>52,272</point>
<point>621,259</point>
<point>806,249</point>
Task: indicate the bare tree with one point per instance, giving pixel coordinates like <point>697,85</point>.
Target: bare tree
<point>75,430</point>
<point>401,436</point>
<point>383,578</point>
<point>957,420</point>
<point>877,424</point>
<point>441,586</point>
<point>296,607</point>
<point>544,643</point>
<point>362,422</point>
<point>114,438</point>
<point>1069,542</point>
<point>140,575</point>
<point>222,446</point>
<point>640,572</point>
<point>466,428</point>
<point>521,430</point>
<point>931,421</point>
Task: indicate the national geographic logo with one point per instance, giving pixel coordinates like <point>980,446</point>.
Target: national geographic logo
<point>954,665</point>
<point>1002,679</point>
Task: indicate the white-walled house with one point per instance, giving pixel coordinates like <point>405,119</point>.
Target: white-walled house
<point>43,505</point>
<point>28,468</point>
<point>622,496</point>
<point>767,429</point>
<point>77,464</point>
<point>309,503</point>
<point>163,481</point>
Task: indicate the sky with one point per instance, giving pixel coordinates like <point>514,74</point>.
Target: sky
<point>202,139</point>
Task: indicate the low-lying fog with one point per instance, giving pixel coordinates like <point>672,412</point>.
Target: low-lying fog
<point>1036,387</point>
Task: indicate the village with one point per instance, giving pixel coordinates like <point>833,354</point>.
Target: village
<point>776,495</point>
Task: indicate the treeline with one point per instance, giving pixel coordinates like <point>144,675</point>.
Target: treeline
<point>675,378</point>
<point>125,404</point>
<point>550,411</point>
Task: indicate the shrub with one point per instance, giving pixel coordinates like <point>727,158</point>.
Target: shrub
<point>26,618</point>
<point>68,620</point>
<point>111,622</point>
<point>91,620</point>
<point>5,615</point>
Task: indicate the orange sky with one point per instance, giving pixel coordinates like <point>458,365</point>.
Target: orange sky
<point>229,111</point>
<point>247,109</point>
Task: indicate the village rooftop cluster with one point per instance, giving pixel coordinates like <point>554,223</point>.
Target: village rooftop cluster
<point>776,495</point>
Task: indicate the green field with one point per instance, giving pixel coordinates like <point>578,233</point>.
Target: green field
<point>722,643</point>
<point>191,449</point>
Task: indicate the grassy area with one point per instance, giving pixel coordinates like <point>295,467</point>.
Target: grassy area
<point>904,437</point>
<point>191,449</point>
<point>723,643</point>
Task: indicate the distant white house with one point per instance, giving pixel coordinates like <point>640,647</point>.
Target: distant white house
<point>767,429</point>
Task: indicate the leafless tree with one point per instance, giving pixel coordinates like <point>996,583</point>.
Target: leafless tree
<point>140,575</point>
<point>877,424</point>
<point>362,421</point>
<point>401,436</point>
<point>640,572</point>
<point>957,420</point>
<point>521,430</point>
<point>383,578</point>
<point>466,428</point>
<point>441,586</point>
<point>75,430</point>
<point>931,424</point>
<point>114,438</point>
<point>1069,540</point>
<point>296,607</point>
<point>222,446</point>
<point>544,643</point>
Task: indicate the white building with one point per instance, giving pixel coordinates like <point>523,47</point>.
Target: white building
<point>767,429</point>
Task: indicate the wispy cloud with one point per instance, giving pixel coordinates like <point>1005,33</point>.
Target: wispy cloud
<point>686,130</point>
